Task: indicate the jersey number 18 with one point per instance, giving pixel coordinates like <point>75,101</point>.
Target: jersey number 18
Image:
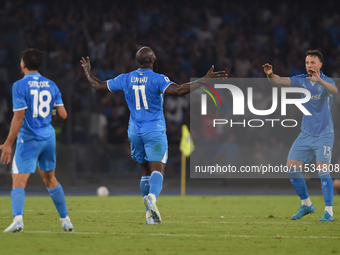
<point>41,103</point>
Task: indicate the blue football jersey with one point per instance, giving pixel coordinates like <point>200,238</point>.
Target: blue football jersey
<point>144,93</point>
<point>320,122</point>
<point>38,95</point>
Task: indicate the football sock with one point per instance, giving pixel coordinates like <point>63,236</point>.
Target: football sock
<point>144,186</point>
<point>306,202</point>
<point>327,187</point>
<point>329,209</point>
<point>17,201</point>
<point>298,183</point>
<point>16,218</point>
<point>156,183</point>
<point>62,220</point>
<point>58,197</point>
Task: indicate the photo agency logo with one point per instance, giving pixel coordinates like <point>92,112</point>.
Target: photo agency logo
<point>239,103</point>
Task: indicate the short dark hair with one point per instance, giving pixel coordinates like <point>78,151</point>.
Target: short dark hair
<point>32,58</point>
<point>314,53</point>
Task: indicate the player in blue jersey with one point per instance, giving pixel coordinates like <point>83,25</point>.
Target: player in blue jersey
<point>317,134</point>
<point>34,97</point>
<point>144,93</point>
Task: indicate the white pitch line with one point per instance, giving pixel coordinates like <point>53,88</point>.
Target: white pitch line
<point>182,235</point>
<point>239,222</point>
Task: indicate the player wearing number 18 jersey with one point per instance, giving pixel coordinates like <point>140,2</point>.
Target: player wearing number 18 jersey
<point>34,97</point>
<point>144,92</point>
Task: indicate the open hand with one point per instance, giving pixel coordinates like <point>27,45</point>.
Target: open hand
<point>85,63</point>
<point>268,69</point>
<point>212,74</point>
<point>315,76</point>
<point>6,154</point>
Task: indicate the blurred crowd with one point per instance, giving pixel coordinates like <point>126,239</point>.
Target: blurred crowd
<point>187,37</point>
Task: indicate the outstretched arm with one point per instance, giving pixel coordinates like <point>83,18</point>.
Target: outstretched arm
<point>275,79</point>
<point>97,84</point>
<point>6,148</point>
<point>180,90</point>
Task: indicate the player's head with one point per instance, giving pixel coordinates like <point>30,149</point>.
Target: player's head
<point>31,60</point>
<point>313,61</point>
<point>146,58</point>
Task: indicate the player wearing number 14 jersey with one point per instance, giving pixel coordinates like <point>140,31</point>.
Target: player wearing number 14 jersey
<point>144,92</point>
<point>34,97</point>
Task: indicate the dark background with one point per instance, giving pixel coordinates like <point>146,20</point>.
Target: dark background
<point>187,37</point>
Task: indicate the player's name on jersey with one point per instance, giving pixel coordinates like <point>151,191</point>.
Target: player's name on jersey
<point>39,84</point>
<point>139,79</point>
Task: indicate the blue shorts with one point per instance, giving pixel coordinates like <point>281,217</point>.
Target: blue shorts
<point>306,147</point>
<point>29,154</point>
<point>152,146</point>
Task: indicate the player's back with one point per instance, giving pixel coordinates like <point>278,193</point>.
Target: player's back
<point>38,95</point>
<point>144,94</point>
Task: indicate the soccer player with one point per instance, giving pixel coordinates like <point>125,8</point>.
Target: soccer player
<point>317,135</point>
<point>34,97</point>
<point>144,91</point>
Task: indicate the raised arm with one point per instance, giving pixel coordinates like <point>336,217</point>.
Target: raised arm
<point>180,90</point>
<point>97,84</point>
<point>275,79</point>
<point>331,88</point>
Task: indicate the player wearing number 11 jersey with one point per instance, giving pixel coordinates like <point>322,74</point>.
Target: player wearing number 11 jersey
<point>34,97</point>
<point>144,92</point>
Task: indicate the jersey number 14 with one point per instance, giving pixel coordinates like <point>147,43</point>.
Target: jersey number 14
<point>41,103</point>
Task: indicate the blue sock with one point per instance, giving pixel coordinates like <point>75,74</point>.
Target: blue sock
<point>327,187</point>
<point>156,183</point>
<point>18,201</point>
<point>298,183</point>
<point>144,186</point>
<point>58,197</point>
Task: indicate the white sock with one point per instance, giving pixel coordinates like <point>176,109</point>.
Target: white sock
<point>329,209</point>
<point>153,197</point>
<point>16,218</point>
<point>306,202</point>
<point>62,220</point>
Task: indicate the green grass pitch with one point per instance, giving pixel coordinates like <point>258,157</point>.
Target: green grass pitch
<point>191,225</point>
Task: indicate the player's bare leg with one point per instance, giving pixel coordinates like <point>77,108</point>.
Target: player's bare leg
<point>57,194</point>
<point>156,183</point>
<point>19,182</point>
<point>327,189</point>
<point>300,187</point>
<point>145,169</point>
<point>49,178</point>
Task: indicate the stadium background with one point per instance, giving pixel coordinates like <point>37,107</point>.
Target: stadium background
<point>187,37</point>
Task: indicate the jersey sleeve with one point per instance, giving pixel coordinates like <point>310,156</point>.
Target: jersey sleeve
<point>330,80</point>
<point>58,100</point>
<point>325,91</point>
<point>116,84</point>
<point>19,99</point>
<point>163,82</point>
<point>297,80</point>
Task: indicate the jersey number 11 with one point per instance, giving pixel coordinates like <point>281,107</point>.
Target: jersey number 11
<point>141,88</point>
